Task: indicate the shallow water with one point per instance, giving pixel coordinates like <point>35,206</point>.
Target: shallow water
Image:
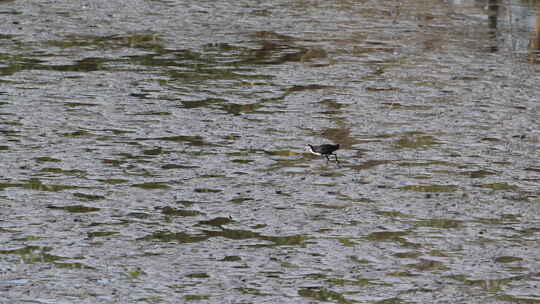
<point>152,152</point>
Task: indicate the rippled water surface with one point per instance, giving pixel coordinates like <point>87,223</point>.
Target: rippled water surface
<point>152,152</point>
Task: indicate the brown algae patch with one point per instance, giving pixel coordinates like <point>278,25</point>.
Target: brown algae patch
<point>430,188</point>
<point>75,208</point>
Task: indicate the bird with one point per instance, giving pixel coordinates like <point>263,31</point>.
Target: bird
<point>324,150</point>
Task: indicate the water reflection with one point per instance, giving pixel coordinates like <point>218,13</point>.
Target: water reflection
<point>513,26</point>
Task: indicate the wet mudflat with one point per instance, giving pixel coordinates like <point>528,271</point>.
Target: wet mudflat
<point>152,152</point>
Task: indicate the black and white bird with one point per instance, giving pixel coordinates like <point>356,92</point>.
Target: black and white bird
<point>323,150</point>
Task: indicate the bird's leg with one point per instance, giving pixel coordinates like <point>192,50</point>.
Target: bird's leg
<point>327,159</point>
<point>337,161</point>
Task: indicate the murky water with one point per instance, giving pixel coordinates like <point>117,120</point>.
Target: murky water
<point>152,152</point>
